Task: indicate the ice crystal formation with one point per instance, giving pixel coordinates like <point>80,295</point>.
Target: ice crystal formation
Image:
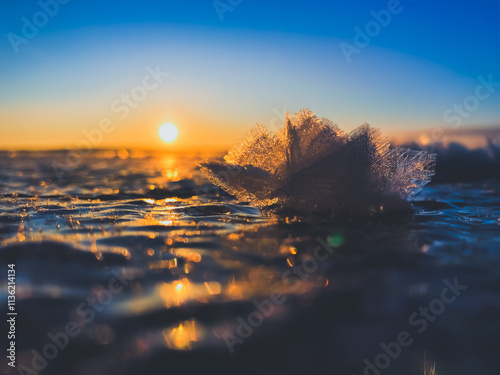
<point>312,166</point>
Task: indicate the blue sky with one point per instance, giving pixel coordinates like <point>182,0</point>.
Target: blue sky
<point>228,74</point>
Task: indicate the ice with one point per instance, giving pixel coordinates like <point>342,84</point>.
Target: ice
<point>312,166</point>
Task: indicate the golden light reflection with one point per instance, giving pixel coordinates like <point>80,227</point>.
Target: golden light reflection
<point>163,264</point>
<point>188,267</point>
<point>429,369</point>
<point>123,154</point>
<point>262,281</point>
<point>424,140</point>
<point>139,304</point>
<point>213,287</point>
<point>235,236</point>
<point>182,336</point>
<point>20,233</point>
<point>187,254</point>
<point>171,174</point>
<point>236,291</point>
<point>121,251</point>
<point>178,292</point>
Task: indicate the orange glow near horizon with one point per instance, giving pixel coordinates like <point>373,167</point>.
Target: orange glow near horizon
<point>70,127</point>
<point>136,132</point>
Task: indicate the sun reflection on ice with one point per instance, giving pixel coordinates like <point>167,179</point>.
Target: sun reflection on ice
<point>179,292</point>
<point>182,336</point>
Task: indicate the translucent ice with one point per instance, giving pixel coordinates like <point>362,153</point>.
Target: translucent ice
<point>312,166</point>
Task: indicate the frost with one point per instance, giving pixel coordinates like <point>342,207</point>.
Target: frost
<point>312,166</point>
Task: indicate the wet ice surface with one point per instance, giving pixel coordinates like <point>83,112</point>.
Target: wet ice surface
<point>156,268</point>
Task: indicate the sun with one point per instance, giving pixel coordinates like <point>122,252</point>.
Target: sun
<point>168,132</point>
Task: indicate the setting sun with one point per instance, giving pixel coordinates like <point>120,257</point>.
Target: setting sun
<point>168,133</point>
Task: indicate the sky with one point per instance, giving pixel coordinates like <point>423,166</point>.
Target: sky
<point>74,72</point>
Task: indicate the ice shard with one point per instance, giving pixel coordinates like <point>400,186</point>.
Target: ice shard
<point>313,167</point>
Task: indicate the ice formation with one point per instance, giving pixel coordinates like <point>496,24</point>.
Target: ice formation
<point>312,166</point>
